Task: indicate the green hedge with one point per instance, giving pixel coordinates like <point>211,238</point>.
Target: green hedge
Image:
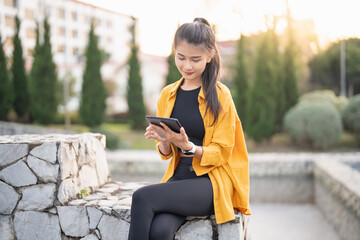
<point>325,96</point>
<point>351,116</point>
<point>112,140</point>
<point>315,123</point>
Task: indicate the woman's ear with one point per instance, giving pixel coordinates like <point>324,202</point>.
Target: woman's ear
<point>210,56</point>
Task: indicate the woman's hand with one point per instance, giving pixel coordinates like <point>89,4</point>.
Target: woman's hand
<point>181,140</point>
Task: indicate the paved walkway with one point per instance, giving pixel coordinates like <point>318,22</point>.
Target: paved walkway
<point>289,221</point>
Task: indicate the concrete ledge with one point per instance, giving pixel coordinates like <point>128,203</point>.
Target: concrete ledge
<point>337,194</point>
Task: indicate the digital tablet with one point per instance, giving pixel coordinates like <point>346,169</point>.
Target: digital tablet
<point>172,123</point>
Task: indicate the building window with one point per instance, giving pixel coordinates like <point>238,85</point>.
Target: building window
<point>74,16</point>
<point>30,33</point>
<point>29,14</point>
<point>97,22</point>
<point>60,49</point>
<point>9,43</point>
<point>75,51</point>
<point>9,3</point>
<point>10,21</point>
<point>74,33</point>
<point>30,52</point>
<point>61,31</point>
<point>60,13</point>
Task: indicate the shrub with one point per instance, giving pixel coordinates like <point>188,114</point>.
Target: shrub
<point>325,96</point>
<point>112,140</point>
<point>351,116</point>
<point>318,124</point>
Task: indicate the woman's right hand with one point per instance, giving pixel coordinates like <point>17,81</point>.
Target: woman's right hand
<point>164,145</point>
<point>152,132</point>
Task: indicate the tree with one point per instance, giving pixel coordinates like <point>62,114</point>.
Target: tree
<point>134,90</point>
<point>43,78</point>
<point>325,67</point>
<point>241,82</point>
<point>173,73</point>
<point>93,94</point>
<point>20,84</point>
<point>5,85</point>
<point>290,79</point>
<point>261,117</point>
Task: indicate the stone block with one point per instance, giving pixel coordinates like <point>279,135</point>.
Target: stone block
<point>31,225</point>
<point>18,175</point>
<point>70,214</point>
<point>38,197</point>
<point>94,217</point>
<point>112,228</point>
<point>45,171</point>
<point>88,177</point>
<point>8,198</point>
<point>90,237</point>
<point>230,230</point>
<point>46,151</point>
<point>6,228</point>
<point>10,153</point>
<point>67,160</point>
<point>102,167</point>
<point>195,229</point>
<point>68,189</point>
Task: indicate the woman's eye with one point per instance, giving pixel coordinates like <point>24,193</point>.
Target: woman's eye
<point>181,59</point>
<point>196,60</point>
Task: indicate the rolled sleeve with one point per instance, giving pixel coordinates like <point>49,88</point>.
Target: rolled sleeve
<point>164,157</point>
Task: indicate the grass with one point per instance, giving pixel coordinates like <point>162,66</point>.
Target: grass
<point>130,139</point>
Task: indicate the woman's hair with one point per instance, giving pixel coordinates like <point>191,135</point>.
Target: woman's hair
<point>198,33</point>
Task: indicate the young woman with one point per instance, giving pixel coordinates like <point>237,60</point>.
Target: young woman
<point>208,172</point>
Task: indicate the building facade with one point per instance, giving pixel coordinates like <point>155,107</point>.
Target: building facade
<point>70,22</point>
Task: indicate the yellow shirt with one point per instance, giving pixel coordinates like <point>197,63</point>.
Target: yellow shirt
<point>224,158</point>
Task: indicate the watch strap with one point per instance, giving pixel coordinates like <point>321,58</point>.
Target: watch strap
<point>191,151</point>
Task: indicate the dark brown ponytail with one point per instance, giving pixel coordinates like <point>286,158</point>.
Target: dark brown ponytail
<point>196,33</point>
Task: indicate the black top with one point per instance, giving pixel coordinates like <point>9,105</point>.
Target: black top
<point>186,110</point>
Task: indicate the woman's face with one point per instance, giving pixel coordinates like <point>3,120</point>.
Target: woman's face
<point>191,60</point>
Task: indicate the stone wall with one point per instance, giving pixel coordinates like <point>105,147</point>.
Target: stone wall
<point>39,174</point>
<point>337,194</point>
<point>330,181</point>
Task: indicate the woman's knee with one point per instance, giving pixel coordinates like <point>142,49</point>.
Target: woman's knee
<point>140,196</point>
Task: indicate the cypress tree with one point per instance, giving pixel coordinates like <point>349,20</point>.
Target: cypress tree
<point>5,85</point>
<point>134,90</point>
<point>20,85</point>
<point>241,82</point>
<point>261,117</point>
<point>173,73</point>
<point>291,90</point>
<point>43,78</point>
<point>93,94</point>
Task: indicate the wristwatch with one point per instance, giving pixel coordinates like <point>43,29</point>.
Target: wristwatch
<point>191,151</point>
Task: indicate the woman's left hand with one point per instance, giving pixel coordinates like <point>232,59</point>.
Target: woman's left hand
<point>181,140</point>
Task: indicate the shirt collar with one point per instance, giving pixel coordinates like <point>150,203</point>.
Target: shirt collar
<point>176,86</point>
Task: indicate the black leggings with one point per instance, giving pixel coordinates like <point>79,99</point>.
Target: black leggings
<point>159,210</point>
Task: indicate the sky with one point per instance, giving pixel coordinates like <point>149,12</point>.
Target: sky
<point>158,19</point>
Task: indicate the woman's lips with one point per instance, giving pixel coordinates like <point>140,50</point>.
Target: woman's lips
<point>188,73</point>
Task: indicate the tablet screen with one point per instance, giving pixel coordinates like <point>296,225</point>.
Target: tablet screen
<point>172,123</point>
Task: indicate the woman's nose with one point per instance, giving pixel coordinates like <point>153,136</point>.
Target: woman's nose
<point>187,65</point>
